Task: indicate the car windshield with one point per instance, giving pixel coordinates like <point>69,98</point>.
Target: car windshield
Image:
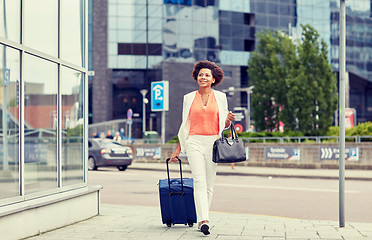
<point>109,144</point>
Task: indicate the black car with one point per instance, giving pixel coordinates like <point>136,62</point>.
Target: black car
<point>106,152</point>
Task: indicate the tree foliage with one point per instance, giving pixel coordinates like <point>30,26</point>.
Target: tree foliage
<point>293,83</point>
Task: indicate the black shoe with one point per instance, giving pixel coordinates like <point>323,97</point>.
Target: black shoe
<point>205,229</point>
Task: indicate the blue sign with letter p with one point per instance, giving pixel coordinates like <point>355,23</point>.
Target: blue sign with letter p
<point>159,96</point>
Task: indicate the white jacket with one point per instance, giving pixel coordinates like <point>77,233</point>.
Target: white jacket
<point>184,130</point>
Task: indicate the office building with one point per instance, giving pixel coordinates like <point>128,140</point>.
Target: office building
<point>137,42</point>
<point>43,119</point>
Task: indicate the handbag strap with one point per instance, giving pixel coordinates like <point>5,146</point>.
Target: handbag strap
<point>234,135</point>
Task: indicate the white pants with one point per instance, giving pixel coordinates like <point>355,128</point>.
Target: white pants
<point>199,149</point>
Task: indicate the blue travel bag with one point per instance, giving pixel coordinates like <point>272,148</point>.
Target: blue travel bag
<point>177,199</point>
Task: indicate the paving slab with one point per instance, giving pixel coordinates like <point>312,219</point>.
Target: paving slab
<point>143,222</point>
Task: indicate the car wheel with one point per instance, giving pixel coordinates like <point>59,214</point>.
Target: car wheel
<point>122,168</point>
<point>92,164</point>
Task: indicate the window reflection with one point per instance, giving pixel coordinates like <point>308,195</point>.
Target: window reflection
<point>41,30</point>
<point>41,120</point>
<point>9,122</point>
<point>72,83</point>
<point>188,43</point>
<point>72,31</point>
<point>10,19</point>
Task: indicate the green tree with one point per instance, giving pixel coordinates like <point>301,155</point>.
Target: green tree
<point>298,80</point>
<point>269,69</point>
<point>313,85</point>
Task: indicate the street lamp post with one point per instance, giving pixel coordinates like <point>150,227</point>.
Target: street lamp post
<point>249,91</point>
<point>144,102</point>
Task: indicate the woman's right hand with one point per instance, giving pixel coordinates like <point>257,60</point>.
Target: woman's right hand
<point>174,157</point>
<point>176,153</point>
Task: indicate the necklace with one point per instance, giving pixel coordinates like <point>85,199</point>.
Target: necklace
<point>205,94</point>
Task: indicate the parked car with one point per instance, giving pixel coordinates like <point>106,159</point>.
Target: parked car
<point>106,152</point>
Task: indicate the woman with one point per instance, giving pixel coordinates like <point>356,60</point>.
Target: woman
<point>204,116</point>
<point>117,137</point>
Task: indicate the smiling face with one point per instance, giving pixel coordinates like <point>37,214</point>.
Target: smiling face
<point>205,78</point>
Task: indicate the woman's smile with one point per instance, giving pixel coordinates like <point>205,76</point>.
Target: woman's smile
<point>205,77</point>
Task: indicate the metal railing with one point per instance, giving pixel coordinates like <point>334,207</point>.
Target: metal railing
<point>307,139</point>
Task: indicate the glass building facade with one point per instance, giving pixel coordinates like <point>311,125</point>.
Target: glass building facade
<point>144,36</point>
<point>42,98</point>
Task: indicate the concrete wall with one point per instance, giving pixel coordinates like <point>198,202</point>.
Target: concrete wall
<point>39,215</point>
<point>309,157</point>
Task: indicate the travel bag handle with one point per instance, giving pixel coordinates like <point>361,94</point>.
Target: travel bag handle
<point>170,192</point>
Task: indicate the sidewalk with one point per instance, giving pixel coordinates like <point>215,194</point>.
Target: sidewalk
<point>350,174</point>
<point>143,222</point>
<point>140,222</point>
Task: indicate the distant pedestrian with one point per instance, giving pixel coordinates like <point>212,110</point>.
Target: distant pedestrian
<point>204,116</point>
<point>117,137</point>
<point>109,135</point>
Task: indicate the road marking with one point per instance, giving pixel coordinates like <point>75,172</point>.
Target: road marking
<point>283,188</point>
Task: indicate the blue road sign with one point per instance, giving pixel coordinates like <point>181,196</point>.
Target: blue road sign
<point>159,96</point>
<point>6,76</point>
<point>129,113</point>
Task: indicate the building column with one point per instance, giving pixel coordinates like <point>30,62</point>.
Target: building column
<point>101,82</point>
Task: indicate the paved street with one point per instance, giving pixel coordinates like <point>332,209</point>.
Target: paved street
<point>304,198</point>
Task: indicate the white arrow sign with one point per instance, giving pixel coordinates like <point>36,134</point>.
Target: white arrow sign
<point>326,153</point>
<point>158,87</point>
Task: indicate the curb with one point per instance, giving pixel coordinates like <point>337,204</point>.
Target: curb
<point>222,173</point>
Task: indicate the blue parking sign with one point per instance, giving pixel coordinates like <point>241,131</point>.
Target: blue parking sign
<point>353,152</point>
<point>6,76</point>
<point>159,96</point>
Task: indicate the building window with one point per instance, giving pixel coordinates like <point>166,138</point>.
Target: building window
<point>249,19</point>
<point>248,45</point>
<point>72,31</point>
<point>42,115</point>
<point>154,49</point>
<point>41,89</point>
<point>9,115</point>
<point>72,113</point>
<point>10,26</point>
<point>182,2</point>
<point>41,28</point>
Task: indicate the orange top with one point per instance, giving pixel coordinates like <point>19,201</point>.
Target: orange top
<point>204,119</point>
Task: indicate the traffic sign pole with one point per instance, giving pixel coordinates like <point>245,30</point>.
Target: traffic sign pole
<point>129,117</point>
<point>163,127</point>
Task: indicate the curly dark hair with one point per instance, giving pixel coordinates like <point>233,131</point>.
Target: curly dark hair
<point>217,72</point>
